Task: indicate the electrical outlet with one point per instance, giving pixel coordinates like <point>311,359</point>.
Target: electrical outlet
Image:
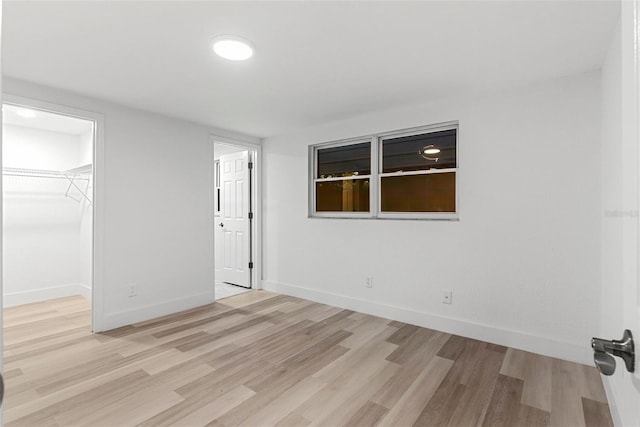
<point>133,290</point>
<point>369,282</point>
<point>446,297</point>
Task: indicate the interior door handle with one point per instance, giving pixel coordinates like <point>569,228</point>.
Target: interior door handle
<point>604,349</point>
<point>221,224</point>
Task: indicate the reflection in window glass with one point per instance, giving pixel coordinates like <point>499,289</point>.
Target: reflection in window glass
<point>407,153</point>
<point>346,160</point>
<point>348,195</point>
<point>434,192</point>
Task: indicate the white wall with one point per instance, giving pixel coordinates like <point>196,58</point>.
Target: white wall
<point>40,149</point>
<point>157,226</point>
<point>620,212</point>
<point>42,239</point>
<point>522,262</point>
<point>86,153</point>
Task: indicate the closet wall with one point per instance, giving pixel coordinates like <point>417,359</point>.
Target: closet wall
<point>47,236</point>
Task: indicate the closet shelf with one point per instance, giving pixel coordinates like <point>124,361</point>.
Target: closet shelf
<point>82,173</point>
<point>85,169</point>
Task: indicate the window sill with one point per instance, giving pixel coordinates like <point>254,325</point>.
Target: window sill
<point>387,216</point>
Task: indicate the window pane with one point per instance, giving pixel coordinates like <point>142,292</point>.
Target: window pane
<point>349,195</point>
<point>407,153</point>
<point>434,192</point>
<point>347,160</point>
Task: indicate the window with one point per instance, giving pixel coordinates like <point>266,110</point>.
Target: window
<point>343,175</point>
<point>401,174</point>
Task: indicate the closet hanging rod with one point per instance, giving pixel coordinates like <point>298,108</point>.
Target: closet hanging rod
<point>85,169</point>
<point>76,174</point>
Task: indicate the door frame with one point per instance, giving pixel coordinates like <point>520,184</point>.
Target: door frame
<point>256,203</point>
<point>98,195</point>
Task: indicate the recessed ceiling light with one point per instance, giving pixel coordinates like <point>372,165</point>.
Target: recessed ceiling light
<point>26,113</point>
<point>232,47</point>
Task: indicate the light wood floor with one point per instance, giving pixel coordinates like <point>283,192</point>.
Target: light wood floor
<point>262,359</point>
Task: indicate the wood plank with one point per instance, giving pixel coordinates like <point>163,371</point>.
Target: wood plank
<point>248,298</point>
<point>535,371</point>
<point>369,415</point>
<point>281,383</point>
<point>293,420</point>
<point>396,324</point>
<point>566,394</point>
<point>591,385</point>
<point>409,407</point>
<point>402,334</point>
<point>217,408</point>
<point>453,347</point>
<point>104,393</point>
<point>477,394</point>
<point>139,393</point>
<point>505,409</point>
<point>596,414</point>
<point>348,392</point>
<point>395,388</point>
<point>357,354</point>
<point>440,408</point>
<point>308,361</point>
<point>280,407</point>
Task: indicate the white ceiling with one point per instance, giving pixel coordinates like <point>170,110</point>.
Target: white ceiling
<point>44,120</point>
<point>315,61</point>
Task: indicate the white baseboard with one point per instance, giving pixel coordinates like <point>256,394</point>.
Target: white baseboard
<point>12,299</point>
<point>535,344</point>
<point>85,291</point>
<point>141,314</point>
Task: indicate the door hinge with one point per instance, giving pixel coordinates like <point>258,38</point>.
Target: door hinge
<point>250,264</point>
<point>250,215</point>
<point>250,166</point>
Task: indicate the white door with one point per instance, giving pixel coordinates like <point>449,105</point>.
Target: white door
<point>234,219</point>
<point>632,288</point>
<point>621,242</point>
<point>631,292</point>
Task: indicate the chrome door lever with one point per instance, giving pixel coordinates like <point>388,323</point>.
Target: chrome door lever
<point>603,349</point>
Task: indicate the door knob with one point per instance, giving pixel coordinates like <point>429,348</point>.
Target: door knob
<point>604,349</point>
<point>221,225</point>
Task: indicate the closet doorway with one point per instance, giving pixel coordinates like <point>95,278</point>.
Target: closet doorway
<point>48,194</point>
<point>234,218</point>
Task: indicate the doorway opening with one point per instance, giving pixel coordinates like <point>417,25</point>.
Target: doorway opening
<point>234,216</point>
<point>48,192</point>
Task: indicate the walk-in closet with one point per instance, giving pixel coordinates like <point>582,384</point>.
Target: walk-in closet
<point>47,190</point>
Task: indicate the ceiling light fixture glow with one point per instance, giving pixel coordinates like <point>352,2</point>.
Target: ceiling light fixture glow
<point>232,47</point>
<point>428,152</point>
<point>26,113</point>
